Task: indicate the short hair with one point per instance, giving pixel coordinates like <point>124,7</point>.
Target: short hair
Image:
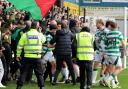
<point>53,22</point>
<point>72,23</point>
<point>34,24</point>
<point>59,23</point>
<point>64,24</point>
<point>100,21</point>
<point>107,23</point>
<point>52,26</point>
<point>87,29</point>
<point>112,24</point>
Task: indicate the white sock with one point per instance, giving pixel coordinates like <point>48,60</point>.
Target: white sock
<point>94,76</point>
<point>65,72</point>
<point>110,78</point>
<point>113,82</point>
<point>116,79</point>
<point>102,78</point>
<point>52,78</point>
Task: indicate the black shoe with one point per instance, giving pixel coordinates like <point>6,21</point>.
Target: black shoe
<point>67,81</point>
<point>4,83</point>
<point>41,87</point>
<point>18,87</point>
<point>53,83</point>
<point>82,87</point>
<point>74,83</point>
<point>88,87</point>
<point>78,79</point>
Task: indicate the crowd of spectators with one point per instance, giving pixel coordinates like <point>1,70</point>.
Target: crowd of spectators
<point>13,23</point>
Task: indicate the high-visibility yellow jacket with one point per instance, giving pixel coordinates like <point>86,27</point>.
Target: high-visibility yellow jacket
<point>31,42</point>
<point>85,50</point>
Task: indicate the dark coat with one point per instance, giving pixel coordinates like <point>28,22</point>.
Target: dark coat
<point>64,39</point>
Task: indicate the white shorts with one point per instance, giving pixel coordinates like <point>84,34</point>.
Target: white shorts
<point>98,57</point>
<point>114,60</point>
<point>49,57</point>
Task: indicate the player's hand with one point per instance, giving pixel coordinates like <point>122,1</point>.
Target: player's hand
<point>18,58</point>
<point>50,46</point>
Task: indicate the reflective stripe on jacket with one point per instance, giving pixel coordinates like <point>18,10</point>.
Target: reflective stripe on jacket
<point>31,42</point>
<point>85,50</point>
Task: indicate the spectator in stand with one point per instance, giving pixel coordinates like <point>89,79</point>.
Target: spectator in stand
<point>6,41</point>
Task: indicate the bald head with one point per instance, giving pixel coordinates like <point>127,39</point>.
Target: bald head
<point>28,23</point>
<point>53,22</point>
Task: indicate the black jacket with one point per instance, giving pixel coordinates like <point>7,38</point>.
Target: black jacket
<point>63,40</point>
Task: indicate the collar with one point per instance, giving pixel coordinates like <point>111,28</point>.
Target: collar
<point>33,29</point>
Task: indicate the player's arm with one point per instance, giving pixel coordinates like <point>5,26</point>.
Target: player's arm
<point>124,47</point>
<point>123,43</point>
<point>96,40</point>
<point>52,42</point>
<point>43,38</point>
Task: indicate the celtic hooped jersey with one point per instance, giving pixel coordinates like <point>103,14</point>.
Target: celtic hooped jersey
<point>114,39</point>
<point>100,38</point>
<point>49,37</point>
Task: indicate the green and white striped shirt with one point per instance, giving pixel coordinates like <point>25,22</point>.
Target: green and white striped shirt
<point>49,37</point>
<point>100,38</point>
<point>114,39</point>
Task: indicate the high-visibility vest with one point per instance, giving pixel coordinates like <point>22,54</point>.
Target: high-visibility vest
<point>85,50</point>
<point>31,42</point>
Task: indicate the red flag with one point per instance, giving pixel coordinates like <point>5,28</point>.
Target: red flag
<point>37,8</point>
<point>45,6</point>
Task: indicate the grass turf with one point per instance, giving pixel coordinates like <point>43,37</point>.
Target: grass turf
<point>122,79</point>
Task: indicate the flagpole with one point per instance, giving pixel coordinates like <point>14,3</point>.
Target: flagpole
<point>68,13</point>
<point>84,15</point>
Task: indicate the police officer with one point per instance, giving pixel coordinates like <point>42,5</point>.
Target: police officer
<point>85,52</point>
<point>31,42</point>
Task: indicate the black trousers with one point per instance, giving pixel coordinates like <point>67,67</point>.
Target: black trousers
<point>48,72</point>
<point>85,73</point>
<point>15,65</point>
<point>4,79</point>
<point>31,63</point>
<point>59,63</point>
<point>7,53</point>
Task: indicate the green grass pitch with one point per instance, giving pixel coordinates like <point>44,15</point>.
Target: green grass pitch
<point>123,79</point>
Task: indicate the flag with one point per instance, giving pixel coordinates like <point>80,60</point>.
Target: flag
<point>37,8</point>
